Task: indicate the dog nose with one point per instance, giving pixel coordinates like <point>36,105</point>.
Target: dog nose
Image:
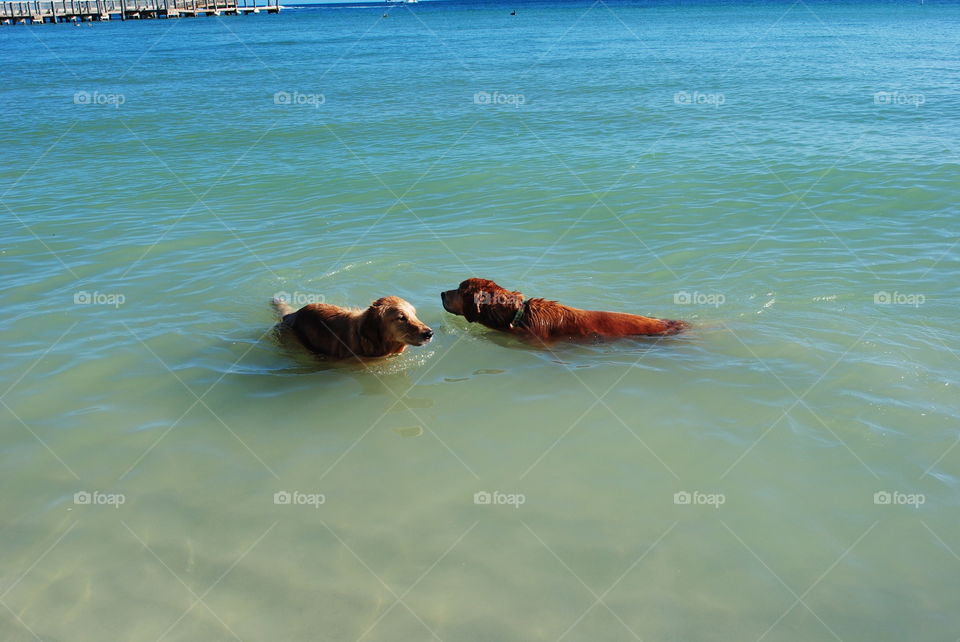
<point>427,334</point>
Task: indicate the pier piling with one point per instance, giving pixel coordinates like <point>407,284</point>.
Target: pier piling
<point>41,11</point>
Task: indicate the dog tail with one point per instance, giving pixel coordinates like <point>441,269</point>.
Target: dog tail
<point>672,326</point>
<point>282,307</point>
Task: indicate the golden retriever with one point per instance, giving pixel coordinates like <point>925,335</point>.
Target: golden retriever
<point>387,327</point>
<point>483,301</point>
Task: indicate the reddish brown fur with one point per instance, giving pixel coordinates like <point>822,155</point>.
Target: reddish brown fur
<point>483,301</point>
<point>387,327</point>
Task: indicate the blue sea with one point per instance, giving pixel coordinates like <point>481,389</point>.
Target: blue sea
<point>782,175</point>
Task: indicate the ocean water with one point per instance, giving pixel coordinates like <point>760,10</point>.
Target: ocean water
<point>783,175</point>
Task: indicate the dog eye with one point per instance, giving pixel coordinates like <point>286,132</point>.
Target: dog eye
<point>402,317</point>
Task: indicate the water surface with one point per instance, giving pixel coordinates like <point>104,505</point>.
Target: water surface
<point>784,176</point>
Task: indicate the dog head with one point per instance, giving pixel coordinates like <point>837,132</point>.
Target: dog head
<point>483,301</point>
<point>398,321</point>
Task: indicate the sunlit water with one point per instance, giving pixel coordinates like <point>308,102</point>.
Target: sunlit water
<point>785,176</point>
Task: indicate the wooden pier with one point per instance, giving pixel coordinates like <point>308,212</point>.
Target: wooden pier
<point>13,12</point>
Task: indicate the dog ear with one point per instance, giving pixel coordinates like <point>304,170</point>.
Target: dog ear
<point>371,327</point>
<point>470,300</point>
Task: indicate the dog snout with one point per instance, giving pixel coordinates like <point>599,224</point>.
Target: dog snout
<point>426,334</point>
<point>449,300</point>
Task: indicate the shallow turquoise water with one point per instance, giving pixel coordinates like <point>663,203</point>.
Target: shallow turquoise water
<point>773,173</point>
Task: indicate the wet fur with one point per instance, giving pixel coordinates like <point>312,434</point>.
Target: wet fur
<point>483,301</point>
<point>341,333</point>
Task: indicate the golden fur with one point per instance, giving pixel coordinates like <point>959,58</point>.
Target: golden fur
<point>387,327</point>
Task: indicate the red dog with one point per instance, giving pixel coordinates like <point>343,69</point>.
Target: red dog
<point>483,301</point>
